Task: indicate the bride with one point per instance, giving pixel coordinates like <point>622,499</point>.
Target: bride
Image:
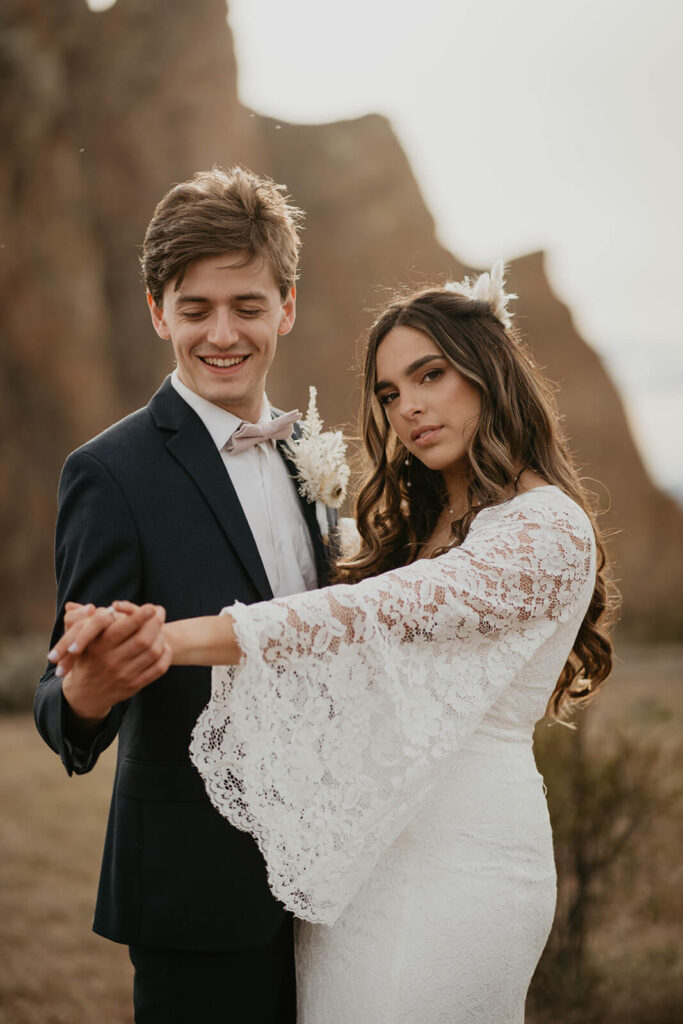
<point>376,736</point>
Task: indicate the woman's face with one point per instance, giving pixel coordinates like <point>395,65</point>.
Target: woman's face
<point>429,404</point>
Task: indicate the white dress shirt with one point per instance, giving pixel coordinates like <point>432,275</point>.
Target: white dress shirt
<point>267,495</point>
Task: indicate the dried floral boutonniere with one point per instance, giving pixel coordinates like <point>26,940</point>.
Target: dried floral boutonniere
<point>320,459</point>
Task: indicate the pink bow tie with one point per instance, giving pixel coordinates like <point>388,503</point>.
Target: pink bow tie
<point>248,434</point>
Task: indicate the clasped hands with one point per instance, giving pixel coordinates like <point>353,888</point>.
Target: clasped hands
<point>108,654</point>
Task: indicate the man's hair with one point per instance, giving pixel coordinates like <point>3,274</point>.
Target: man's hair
<point>221,211</point>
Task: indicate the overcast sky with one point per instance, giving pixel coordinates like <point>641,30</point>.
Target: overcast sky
<point>529,124</point>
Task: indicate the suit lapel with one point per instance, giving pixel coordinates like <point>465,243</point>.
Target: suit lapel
<point>192,447</point>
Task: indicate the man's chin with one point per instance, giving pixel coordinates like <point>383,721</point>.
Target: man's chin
<point>235,401</point>
<point>216,390</point>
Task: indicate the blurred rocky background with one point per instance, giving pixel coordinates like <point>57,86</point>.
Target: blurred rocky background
<point>99,115</point>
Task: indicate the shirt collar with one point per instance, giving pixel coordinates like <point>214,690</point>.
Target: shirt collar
<point>220,423</point>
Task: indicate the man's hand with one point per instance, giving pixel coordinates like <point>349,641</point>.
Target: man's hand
<point>108,654</point>
<point>74,612</point>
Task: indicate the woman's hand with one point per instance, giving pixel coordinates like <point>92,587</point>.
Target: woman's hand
<point>108,654</point>
<point>140,633</point>
<point>121,622</point>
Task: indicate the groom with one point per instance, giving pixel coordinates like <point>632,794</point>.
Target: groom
<point>165,508</point>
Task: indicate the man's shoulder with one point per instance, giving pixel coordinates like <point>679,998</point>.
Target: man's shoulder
<point>116,440</point>
<point>136,433</point>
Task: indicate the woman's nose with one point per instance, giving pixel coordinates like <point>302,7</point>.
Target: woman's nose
<point>410,405</point>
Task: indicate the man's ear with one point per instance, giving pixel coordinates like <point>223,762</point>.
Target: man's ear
<point>288,312</point>
<point>157,314</point>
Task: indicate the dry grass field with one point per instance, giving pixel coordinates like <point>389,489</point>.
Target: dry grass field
<point>617,815</point>
<point>53,970</point>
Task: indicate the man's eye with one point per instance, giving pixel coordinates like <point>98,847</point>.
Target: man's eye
<point>192,314</point>
<point>249,312</point>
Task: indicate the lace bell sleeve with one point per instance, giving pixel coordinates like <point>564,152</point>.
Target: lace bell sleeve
<point>325,738</point>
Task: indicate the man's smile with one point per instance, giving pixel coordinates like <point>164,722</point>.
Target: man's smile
<point>223,362</point>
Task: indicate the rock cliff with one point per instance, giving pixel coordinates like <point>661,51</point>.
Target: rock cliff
<point>100,114</point>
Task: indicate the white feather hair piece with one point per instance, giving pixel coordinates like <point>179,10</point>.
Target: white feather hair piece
<point>487,288</point>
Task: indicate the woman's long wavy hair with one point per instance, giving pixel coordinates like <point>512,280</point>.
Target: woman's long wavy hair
<point>401,500</point>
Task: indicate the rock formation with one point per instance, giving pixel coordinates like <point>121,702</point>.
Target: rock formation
<point>100,114</point>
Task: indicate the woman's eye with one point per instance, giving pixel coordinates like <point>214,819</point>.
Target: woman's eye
<point>387,398</point>
<point>432,374</point>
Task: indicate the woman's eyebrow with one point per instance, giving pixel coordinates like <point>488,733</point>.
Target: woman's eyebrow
<point>409,370</point>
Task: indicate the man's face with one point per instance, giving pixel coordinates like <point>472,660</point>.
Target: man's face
<point>223,323</point>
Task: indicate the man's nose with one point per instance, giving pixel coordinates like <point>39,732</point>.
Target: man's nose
<point>223,328</point>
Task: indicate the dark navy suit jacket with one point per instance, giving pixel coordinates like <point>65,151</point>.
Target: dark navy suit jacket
<point>147,512</point>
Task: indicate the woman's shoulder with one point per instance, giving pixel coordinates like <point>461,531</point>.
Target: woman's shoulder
<point>546,505</point>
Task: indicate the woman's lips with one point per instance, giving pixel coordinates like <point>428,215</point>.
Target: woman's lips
<point>424,435</point>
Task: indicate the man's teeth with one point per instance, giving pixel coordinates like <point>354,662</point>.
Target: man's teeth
<point>212,361</point>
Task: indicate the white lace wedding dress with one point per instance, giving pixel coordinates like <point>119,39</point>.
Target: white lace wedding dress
<point>377,741</point>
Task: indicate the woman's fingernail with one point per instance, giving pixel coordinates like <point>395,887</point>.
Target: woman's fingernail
<point>73,648</point>
<point>52,655</point>
<point>59,671</point>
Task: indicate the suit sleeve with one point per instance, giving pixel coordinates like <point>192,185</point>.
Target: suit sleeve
<point>97,559</point>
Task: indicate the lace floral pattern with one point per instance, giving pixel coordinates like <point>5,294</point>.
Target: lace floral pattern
<point>327,738</point>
